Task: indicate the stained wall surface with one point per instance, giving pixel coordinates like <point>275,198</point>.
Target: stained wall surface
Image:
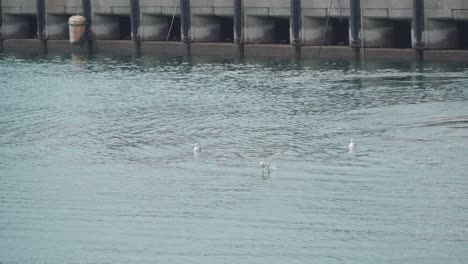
<point>264,21</point>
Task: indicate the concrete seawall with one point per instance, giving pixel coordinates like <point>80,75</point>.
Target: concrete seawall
<point>386,29</point>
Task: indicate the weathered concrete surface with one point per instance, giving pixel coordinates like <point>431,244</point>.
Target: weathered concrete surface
<point>206,29</point>
<point>320,9</point>
<point>266,50</point>
<point>273,8</point>
<point>212,7</point>
<point>446,9</point>
<point>59,46</point>
<point>22,45</point>
<point>313,29</point>
<point>63,7</point>
<point>259,30</point>
<point>377,33</point>
<point>114,47</point>
<point>387,9</point>
<point>400,9</point>
<point>162,48</point>
<point>390,54</point>
<point>441,34</point>
<point>206,19</point>
<point>106,27</point>
<point>327,52</point>
<point>19,7</point>
<point>110,7</point>
<point>156,18</point>
<point>446,55</point>
<point>160,7</point>
<point>57,26</point>
<point>19,26</point>
<point>259,25</point>
<point>154,27</point>
<point>217,49</point>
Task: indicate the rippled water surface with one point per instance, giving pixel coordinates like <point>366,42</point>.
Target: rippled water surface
<point>96,162</point>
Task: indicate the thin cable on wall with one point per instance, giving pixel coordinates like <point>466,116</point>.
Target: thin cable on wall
<point>325,29</point>
<point>172,22</point>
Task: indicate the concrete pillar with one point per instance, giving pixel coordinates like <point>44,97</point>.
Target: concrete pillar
<point>238,14</point>
<point>205,29</point>
<point>57,27</point>
<point>186,24</point>
<point>355,26</point>
<point>378,33</point>
<point>259,30</point>
<point>86,5</point>
<point>135,19</point>
<point>135,24</point>
<point>295,30</point>
<point>418,21</point>
<point>313,30</point>
<point>155,28</point>
<point>106,27</point>
<point>418,28</point>
<point>296,22</point>
<point>40,16</point>
<point>441,34</point>
<point>238,26</point>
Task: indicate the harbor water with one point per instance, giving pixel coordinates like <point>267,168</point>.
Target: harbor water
<point>96,161</point>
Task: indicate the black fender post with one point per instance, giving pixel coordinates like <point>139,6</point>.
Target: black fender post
<point>135,24</point>
<point>186,22</point>
<point>238,26</point>
<point>296,23</point>
<point>40,18</point>
<point>355,25</point>
<point>86,5</point>
<point>418,28</point>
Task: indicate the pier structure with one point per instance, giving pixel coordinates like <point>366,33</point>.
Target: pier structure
<point>284,28</point>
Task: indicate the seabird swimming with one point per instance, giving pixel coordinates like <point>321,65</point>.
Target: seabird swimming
<point>352,145</point>
<point>266,165</point>
<point>196,149</point>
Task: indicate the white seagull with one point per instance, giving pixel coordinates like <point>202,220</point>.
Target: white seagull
<point>352,145</point>
<point>266,165</point>
<point>196,149</point>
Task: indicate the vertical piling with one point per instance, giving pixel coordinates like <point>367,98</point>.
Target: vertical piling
<point>86,5</point>
<point>185,21</point>
<point>135,24</point>
<point>40,16</point>
<point>355,24</point>
<point>238,26</point>
<point>1,28</point>
<point>296,26</point>
<point>418,28</point>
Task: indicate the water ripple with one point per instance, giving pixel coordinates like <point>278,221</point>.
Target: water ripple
<point>96,161</point>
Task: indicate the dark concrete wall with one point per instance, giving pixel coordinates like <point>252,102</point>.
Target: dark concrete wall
<point>444,21</point>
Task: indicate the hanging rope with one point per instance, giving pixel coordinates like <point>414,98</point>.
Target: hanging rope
<point>172,22</point>
<point>325,29</point>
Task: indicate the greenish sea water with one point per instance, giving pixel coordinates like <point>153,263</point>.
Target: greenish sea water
<point>96,161</point>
